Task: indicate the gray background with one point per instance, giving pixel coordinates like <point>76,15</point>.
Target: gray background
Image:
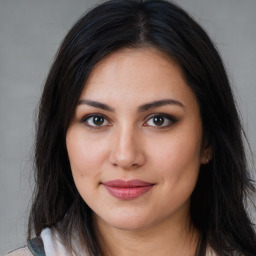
<point>30,33</point>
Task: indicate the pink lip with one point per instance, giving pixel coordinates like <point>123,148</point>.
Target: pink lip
<point>127,190</point>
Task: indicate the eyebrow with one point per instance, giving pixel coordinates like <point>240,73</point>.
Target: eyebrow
<point>96,105</point>
<point>142,108</point>
<point>159,103</point>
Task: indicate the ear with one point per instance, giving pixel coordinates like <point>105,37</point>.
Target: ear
<point>206,154</point>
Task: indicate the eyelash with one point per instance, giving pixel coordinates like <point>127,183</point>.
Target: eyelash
<point>166,118</point>
<point>96,115</point>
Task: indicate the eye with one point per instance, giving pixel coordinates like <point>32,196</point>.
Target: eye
<point>95,121</point>
<point>160,120</point>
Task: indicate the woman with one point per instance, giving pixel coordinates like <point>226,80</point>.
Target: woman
<point>139,145</point>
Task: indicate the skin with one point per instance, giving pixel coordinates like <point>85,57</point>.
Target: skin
<point>127,144</point>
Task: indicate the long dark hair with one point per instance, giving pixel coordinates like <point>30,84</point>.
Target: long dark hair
<point>217,203</point>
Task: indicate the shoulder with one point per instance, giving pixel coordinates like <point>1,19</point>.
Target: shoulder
<point>34,247</point>
<point>20,252</point>
<point>48,243</point>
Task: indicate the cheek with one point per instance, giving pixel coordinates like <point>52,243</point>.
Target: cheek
<point>177,151</point>
<point>178,159</point>
<point>84,160</point>
<point>84,154</point>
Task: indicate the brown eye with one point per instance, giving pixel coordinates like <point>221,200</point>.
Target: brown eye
<point>96,121</point>
<point>158,120</point>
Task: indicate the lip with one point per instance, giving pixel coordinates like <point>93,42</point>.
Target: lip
<point>127,190</point>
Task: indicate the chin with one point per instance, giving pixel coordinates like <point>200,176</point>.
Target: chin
<point>125,221</point>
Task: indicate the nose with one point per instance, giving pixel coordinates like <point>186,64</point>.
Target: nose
<point>127,149</point>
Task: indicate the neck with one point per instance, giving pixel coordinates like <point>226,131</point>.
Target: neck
<point>177,239</point>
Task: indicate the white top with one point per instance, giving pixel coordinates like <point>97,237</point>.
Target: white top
<point>53,246</point>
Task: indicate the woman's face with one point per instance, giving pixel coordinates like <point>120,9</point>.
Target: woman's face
<point>135,141</point>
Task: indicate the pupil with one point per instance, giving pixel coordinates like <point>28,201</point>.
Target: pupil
<point>98,120</point>
<point>158,120</point>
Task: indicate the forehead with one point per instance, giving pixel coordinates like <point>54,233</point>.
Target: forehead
<point>135,75</point>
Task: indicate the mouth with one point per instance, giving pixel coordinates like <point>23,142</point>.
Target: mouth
<point>127,190</point>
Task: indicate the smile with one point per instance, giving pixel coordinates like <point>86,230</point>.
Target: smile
<point>127,190</point>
